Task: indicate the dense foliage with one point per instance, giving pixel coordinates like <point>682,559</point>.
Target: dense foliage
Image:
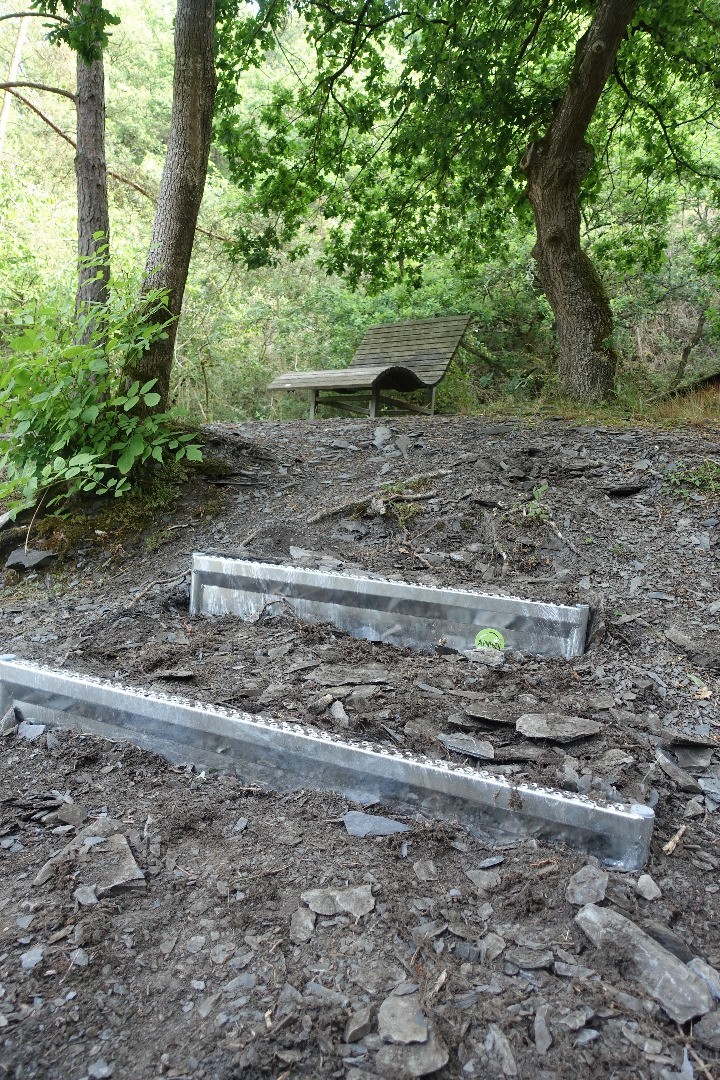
<point>404,126</point>
<point>68,417</point>
<point>654,238</point>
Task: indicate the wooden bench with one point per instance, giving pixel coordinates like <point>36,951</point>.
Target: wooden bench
<point>401,357</point>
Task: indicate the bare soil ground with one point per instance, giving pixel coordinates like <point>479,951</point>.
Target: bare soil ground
<point>213,965</point>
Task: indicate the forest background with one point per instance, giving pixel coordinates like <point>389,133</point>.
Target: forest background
<point>241,326</point>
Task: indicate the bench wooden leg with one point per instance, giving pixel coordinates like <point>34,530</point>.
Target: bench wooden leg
<point>313,404</point>
<point>432,401</point>
<point>374,402</point>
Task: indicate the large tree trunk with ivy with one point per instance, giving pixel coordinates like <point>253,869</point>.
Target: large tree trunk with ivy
<point>183,182</point>
<point>555,167</point>
<point>92,197</point>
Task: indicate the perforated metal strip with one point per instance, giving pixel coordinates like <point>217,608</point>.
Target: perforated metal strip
<point>287,756</point>
<point>419,616</point>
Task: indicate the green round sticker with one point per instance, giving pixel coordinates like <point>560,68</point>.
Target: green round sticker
<point>489,639</point>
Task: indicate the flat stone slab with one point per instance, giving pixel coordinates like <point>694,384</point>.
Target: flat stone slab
<point>287,756</point>
<point>417,616</point>
<point>20,559</point>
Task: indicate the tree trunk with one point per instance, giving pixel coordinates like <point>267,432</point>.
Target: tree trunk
<point>555,167</point>
<point>13,70</point>
<point>183,182</point>
<point>92,198</point>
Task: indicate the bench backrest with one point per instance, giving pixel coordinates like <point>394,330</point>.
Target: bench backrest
<point>426,345</point>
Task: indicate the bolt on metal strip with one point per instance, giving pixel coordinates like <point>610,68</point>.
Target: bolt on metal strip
<point>286,756</point>
<point>396,612</point>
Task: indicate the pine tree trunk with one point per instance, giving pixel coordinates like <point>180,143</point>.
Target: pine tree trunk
<point>183,181</point>
<point>92,197</point>
<point>555,167</point>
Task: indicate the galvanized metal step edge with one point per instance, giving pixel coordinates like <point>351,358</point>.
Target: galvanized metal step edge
<point>395,611</point>
<point>288,756</point>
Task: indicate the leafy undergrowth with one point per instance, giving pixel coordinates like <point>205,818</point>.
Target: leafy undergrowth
<point>702,479</point>
<point>72,421</point>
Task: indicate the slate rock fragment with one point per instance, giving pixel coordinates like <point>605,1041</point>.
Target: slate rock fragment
<point>556,727</point>
<point>401,1020</point>
<point>529,959</point>
<point>20,559</point>
<point>708,973</point>
<point>682,994</point>
<point>669,940</point>
<point>10,721</point>
<point>678,776</point>
<point>491,947</point>
<point>103,857</point>
<point>483,710</point>
<point>414,1059</point>
<point>467,745</point>
<point>647,888</point>
<point>100,1070</point>
<point>30,731</point>
<point>541,1031</point>
<point>114,868</point>
<point>302,925</point>
<point>425,870</point>
<point>499,1051</point>
<point>31,958</point>
<point>85,895</point>
<point>350,675</point>
<point>707,1030</point>
<point>587,886</point>
<point>72,814</point>
<point>358,1025</point>
<point>356,901</point>
<point>360,824</point>
<point>484,879</point>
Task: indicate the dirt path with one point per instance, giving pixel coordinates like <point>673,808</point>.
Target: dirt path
<point>426,949</point>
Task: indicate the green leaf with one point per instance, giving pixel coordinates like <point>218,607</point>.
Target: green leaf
<point>194,453</point>
<point>90,415</point>
<point>152,399</point>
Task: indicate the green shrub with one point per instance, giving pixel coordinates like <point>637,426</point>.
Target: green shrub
<point>67,414</point>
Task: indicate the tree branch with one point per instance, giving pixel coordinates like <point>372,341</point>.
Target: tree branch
<point>533,32</point>
<point>31,14</point>
<point>694,340</point>
<point>38,86</point>
<point>495,365</point>
<point>680,162</point>
<point>594,60</point>
<point>116,176</point>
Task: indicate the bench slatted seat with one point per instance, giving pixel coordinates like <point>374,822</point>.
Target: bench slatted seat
<point>400,357</point>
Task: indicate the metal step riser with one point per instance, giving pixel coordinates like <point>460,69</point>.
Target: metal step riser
<point>417,616</point>
<point>286,756</point>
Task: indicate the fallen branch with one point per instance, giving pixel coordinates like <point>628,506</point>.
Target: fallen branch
<point>674,840</point>
<point>364,501</point>
<point>682,363</point>
<point>146,590</point>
